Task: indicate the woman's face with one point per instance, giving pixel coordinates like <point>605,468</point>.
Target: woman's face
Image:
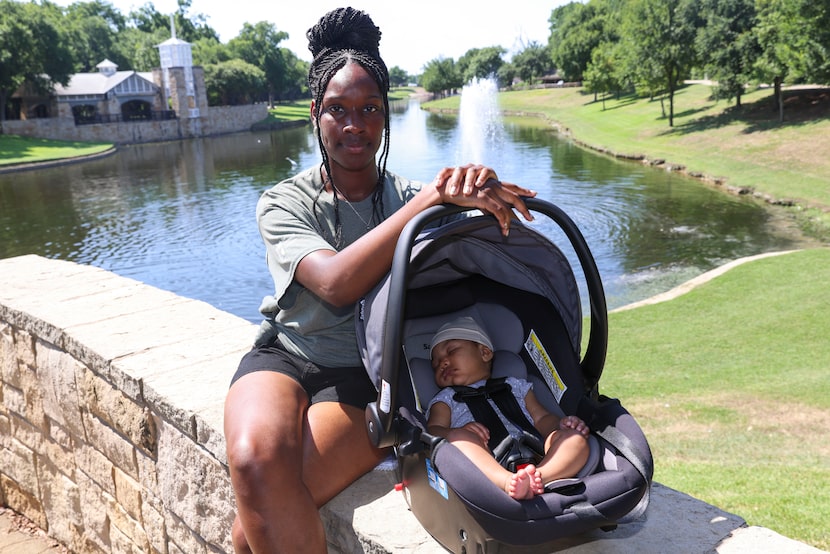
<point>352,119</point>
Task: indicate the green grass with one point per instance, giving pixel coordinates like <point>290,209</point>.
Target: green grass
<point>744,148</point>
<point>730,384</point>
<point>299,109</point>
<point>16,150</point>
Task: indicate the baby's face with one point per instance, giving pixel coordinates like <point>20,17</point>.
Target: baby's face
<point>460,362</point>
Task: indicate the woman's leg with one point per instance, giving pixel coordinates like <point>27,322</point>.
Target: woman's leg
<point>337,449</point>
<point>264,422</point>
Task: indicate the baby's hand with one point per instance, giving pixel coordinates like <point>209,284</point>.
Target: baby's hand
<point>573,422</point>
<point>478,430</point>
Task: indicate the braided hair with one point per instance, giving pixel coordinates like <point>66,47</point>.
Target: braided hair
<point>343,36</point>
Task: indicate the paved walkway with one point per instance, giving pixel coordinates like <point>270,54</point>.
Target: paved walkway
<point>20,536</point>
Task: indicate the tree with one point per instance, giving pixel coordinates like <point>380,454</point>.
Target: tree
<point>398,77</point>
<point>441,76</point>
<point>601,74</point>
<point>233,82</point>
<point>141,47</point>
<point>532,63</point>
<point>34,49</point>
<point>794,39</point>
<point>575,30</point>
<point>189,28</point>
<point>94,28</point>
<point>259,45</point>
<point>658,38</point>
<point>728,45</point>
<point>210,51</point>
<point>480,63</point>
<point>296,83</point>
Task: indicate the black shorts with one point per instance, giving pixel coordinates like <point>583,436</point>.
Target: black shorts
<point>348,385</point>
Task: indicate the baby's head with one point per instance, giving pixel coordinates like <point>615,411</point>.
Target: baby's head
<point>461,353</point>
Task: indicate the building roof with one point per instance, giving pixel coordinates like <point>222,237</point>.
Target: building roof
<point>98,83</point>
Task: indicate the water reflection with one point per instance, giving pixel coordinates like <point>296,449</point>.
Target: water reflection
<point>180,215</point>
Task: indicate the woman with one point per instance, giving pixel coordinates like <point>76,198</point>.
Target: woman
<point>294,414</point>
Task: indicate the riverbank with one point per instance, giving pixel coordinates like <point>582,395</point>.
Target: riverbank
<point>24,153</point>
<point>742,151</point>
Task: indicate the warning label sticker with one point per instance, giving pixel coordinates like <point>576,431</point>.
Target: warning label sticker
<point>545,365</point>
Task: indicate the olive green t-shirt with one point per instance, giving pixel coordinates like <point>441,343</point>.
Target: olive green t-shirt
<point>292,226</point>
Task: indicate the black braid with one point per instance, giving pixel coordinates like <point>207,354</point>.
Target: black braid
<point>342,36</point>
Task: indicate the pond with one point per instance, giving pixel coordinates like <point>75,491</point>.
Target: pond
<point>180,215</point>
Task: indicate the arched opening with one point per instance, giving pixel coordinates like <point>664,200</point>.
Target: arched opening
<point>41,111</point>
<point>84,113</point>
<point>136,110</point>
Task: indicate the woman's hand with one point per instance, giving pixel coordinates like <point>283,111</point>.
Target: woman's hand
<point>478,186</point>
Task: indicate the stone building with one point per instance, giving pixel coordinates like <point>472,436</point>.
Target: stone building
<point>130,106</point>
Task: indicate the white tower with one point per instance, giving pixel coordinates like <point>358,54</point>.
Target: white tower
<point>175,53</point>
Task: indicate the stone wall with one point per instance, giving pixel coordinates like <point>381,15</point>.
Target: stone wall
<point>111,396</point>
<point>218,120</point>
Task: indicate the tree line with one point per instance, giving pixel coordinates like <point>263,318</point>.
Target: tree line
<point>652,46</point>
<point>646,46</point>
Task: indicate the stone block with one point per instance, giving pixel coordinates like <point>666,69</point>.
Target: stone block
<point>57,378</point>
<point>183,537</point>
<point>22,501</point>
<point>111,406</point>
<point>115,447</point>
<point>24,349</point>
<point>124,526</point>
<point>18,463</point>
<point>8,360</point>
<point>195,487</point>
<point>14,400</point>
<point>206,379</point>
<point>61,503</point>
<point>152,518</point>
<point>96,521</point>
<point>95,466</point>
<point>128,493</point>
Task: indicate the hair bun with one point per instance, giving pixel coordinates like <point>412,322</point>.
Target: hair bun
<point>344,29</point>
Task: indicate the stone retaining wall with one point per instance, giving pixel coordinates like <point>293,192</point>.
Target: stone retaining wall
<point>111,396</point>
<point>218,120</point>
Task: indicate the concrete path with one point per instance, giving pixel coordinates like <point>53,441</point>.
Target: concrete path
<point>20,536</point>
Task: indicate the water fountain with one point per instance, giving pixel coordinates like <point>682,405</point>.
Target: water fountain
<point>479,122</point>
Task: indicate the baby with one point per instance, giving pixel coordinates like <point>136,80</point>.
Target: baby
<point>462,354</point>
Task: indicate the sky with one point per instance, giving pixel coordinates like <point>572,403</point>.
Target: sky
<point>413,33</point>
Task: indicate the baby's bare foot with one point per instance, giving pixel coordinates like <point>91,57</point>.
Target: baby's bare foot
<point>521,485</point>
<point>536,485</point>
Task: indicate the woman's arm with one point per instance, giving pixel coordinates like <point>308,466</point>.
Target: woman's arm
<point>341,278</point>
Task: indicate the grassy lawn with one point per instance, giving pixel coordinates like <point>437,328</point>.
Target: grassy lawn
<point>745,148</point>
<point>730,381</point>
<point>15,149</point>
<point>730,384</point>
<point>299,109</point>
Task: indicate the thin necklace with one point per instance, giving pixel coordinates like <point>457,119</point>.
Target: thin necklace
<point>368,224</point>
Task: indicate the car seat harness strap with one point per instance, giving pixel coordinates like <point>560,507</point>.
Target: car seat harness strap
<point>511,452</point>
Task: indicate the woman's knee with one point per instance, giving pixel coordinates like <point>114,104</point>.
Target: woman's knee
<point>260,440</point>
<point>240,542</point>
